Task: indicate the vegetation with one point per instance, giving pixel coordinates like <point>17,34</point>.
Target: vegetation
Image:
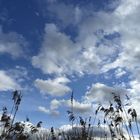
<point>118,122</point>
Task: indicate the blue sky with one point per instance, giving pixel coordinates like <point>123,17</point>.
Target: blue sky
<point>50,48</point>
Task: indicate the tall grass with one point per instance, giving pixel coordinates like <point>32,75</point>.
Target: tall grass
<point>112,122</point>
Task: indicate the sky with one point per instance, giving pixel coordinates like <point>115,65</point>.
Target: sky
<point>51,48</point>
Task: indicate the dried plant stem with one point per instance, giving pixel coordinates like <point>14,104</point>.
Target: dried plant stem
<point>127,119</point>
<point>136,121</point>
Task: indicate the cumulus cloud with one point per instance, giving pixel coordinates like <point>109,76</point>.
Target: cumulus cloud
<point>129,56</point>
<point>48,111</point>
<point>12,43</point>
<point>134,87</point>
<point>52,110</point>
<point>43,109</point>
<point>79,107</point>
<point>64,56</point>
<point>6,82</point>
<point>131,6</point>
<point>102,93</point>
<point>55,87</point>
<point>55,104</point>
<point>104,41</point>
<point>69,15</point>
<point>56,52</point>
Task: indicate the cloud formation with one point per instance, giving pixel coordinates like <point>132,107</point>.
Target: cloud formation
<point>48,111</point>
<point>101,93</point>
<point>102,43</point>
<point>64,56</point>
<point>55,87</point>
<point>6,82</point>
<point>12,43</point>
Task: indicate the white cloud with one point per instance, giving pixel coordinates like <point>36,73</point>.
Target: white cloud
<point>131,6</point>
<point>119,72</point>
<point>66,127</point>
<point>128,27</point>
<point>83,56</point>
<point>101,93</point>
<point>54,104</point>
<point>98,131</point>
<point>55,55</point>
<point>83,53</point>
<point>134,88</point>
<point>55,87</point>
<point>67,13</point>
<point>48,111</point>
<point>6,82</point>
<point>63,56</point>
<point>43,109</point>
<point>79,107</point>
<point>53,108</point>
<point>12,43</point>
<point>19,73</point>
